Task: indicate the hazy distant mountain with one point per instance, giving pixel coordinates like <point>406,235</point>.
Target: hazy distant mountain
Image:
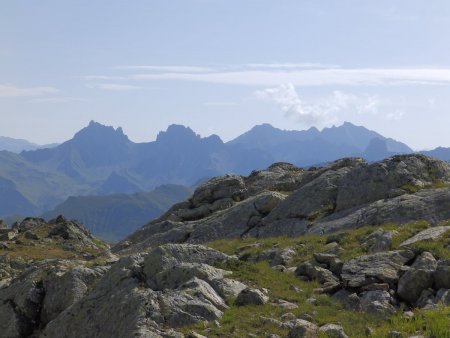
<point>313,146</point>
<point>17,145</point>
<point>12,201</point>
<point>112,217</point>
<point>101,160</point>
<point>440,152</point>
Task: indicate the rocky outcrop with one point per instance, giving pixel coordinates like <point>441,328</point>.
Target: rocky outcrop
<point>41,293</point>
<point>140,295</point>
<point>64,235</point>
<point>389,178</point>
<point>288,201</point>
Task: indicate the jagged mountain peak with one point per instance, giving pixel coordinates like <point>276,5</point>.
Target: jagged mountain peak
<point>99,131</point>
<point>177,132</point>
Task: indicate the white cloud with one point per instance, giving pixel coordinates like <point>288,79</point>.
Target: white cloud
<point>104,77</point>
<point>8,90</point>
<point>286,96</point>
<point>312,77</point>
<point>170,69</point>
<point>114,87</point>
<point>61,99</point>
<point>304,65</point>
<point>219,104</point>
<point>322,111</point>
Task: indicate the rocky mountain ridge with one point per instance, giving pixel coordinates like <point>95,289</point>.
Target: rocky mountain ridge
<point>285,200</point>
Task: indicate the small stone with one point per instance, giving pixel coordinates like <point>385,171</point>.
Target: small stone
<point>443,296</point>
<point>288,316</point>
<point>286,305</point>
<point>194,334</point>
<point>394,334</point>
<point>333,330</point>
<point>280,268</point>
<point>408,314</point>
<point>295,288</point>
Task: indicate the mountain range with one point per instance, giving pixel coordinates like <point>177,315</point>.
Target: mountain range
<point>102,161</point>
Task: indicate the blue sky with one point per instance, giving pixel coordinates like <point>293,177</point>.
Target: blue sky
<point>223,66</point>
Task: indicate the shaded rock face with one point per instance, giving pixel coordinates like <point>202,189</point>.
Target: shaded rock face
<point>41,293</point>
<point>390,178</point>
<point>287,201</point>
<point>141,295</point>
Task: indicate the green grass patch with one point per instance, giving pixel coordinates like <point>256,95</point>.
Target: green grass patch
<point>240,321</point>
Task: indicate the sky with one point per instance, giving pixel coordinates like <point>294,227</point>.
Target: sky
<point>223,66</point>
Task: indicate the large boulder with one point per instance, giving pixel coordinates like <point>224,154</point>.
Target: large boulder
<point>417,278</point>
<point>379,267</point>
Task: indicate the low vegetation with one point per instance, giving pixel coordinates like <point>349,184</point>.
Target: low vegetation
<point>238,321</point>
